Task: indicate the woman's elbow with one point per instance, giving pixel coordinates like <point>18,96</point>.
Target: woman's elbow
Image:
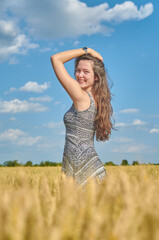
<point>53,58</point>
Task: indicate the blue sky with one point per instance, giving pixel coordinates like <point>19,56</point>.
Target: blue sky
<point>32,102</point>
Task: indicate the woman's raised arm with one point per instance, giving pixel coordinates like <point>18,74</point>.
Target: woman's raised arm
<point>70,85</point>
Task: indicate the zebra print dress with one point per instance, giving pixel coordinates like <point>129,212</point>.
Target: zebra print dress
<point>80,159</point>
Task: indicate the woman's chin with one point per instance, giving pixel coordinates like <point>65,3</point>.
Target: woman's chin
<point>83,85</point>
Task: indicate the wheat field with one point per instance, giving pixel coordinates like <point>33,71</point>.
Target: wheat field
<point>37,203</point>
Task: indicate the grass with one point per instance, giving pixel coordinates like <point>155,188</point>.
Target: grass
<point>37,204</point>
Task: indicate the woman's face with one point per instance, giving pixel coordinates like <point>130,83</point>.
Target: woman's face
<point>85,74</point>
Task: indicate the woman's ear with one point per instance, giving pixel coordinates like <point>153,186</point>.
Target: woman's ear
<point>96,79</point>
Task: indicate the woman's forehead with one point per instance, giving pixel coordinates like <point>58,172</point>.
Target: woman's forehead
<point>85,64</point>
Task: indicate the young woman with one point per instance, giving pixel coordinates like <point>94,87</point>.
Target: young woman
<point>89,114</point>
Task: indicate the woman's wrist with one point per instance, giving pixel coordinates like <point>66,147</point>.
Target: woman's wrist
<point>91,51</point>
<point>94,53</point>
<point>88,50</point>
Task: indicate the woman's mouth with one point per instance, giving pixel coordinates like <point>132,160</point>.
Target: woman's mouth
<point>81,81</point>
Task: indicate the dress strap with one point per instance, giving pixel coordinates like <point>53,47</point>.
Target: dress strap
<point>90,96</point>
<point>92,100</point>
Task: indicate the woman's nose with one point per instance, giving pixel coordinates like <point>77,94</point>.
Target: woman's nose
<point>80,74</point>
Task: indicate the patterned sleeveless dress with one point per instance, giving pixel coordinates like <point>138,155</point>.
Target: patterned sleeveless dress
<point>80,159</point>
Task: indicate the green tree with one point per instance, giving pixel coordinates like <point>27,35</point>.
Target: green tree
<point>124,162</point>
<point>48,163</point>
<point>13,163</point>
<point>110,163</point>
<point>28,163</point>
<point>135,163</point>
<point>42,164</point>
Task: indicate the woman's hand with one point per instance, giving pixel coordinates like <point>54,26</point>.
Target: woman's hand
<point>94,53</point>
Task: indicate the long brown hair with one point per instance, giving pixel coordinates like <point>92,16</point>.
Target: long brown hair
<point>102,96</point>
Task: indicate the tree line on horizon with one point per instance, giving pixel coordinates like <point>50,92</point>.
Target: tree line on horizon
<point>15,163</point>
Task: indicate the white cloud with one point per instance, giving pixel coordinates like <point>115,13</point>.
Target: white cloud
<point>29,141</point>
<point>52,144</point>
<point>45,49</point>
<point>138,122</point>
<point>76,43</point>
<point>18,137</point>
<point>54,125</point>
<point>130,110</point>
<point>17,105</point>
<point>35,87</point>
<point>133,148</point>
<point>154,130</point>
<point>57,103</point>
<point>61,43</point>
<point>12,89</point>
<point>13,60</point>
<point>121,124</point>
<point>71,18</point>
<point>121,140</point>
<point>13,119</point>
<point>12,41</point>
<point>128,11</point>
<point>40,99</point>
<point>58,19</point>
<point>11,134</point>
<point>57,127</point>
<point>31,87</point>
